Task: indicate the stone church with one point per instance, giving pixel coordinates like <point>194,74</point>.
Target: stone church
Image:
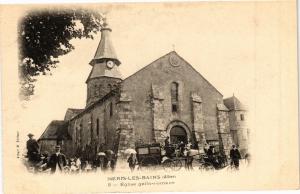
<point>168,97</point>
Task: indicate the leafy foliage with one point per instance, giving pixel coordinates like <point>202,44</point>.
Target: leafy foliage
<point>45,35</point>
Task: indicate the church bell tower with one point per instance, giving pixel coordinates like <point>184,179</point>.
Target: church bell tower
<point>104,75</point>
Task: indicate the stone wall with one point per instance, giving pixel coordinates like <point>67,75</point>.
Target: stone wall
<point>99,87</point>
<point>198,120</point>
<point>239,129</point>
<point>47,146</point>
<point>225,139</point>
<point>67,148</point>
<point>152,114</point>
<point>84,127</point>
<point>124,130</point>
<point>159,131</point>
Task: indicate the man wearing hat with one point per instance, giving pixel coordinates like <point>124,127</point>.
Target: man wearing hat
<point>235,156</point>
<point>167,141</point>
<point>32,148</point>
<point>57,160</point>
<point>211,153</point>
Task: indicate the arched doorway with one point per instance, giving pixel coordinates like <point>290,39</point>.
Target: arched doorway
<point>178,134</point>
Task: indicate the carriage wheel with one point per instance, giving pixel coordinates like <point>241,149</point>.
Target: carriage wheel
<point>149,163</point>
<point>168,165</point>
<point>177,164</point>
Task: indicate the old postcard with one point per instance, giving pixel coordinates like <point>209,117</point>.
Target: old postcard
<point>146,97</point>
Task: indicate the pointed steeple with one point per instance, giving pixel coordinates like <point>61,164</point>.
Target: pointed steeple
<point>104,76</point>
<point>105,54</point>
<point>105,48</point>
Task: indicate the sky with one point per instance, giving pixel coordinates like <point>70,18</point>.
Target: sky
<point>211,38</point>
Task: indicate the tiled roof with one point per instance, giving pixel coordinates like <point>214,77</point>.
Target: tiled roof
<point>233,103</point>
<point>71,112</point>
<point>105,48</point>
<point>56,130</point>
<point>100,71</point>
<point>104,52</point>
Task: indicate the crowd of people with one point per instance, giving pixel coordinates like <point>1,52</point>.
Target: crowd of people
<point>58,162</point>
<point>219,159</point>
<point>215,158</point>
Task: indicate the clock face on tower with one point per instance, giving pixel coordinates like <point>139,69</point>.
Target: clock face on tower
<point>110,64</point>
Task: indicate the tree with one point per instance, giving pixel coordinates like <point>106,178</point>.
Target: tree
<point>45,35</point>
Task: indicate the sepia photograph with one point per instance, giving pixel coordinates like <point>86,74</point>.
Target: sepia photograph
<point>134,97</point>
<point>165,114</point>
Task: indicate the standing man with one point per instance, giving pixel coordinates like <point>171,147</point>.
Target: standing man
<point>57,160</point>
<point>235,156</point>
<point>181,148</point>
<point>189,161</point>
<point>189,145</point>
<point>195,145</point>
<point>206,148</point>
<point>211,155</point>
<point>32,149</point>
<point>167,142</point>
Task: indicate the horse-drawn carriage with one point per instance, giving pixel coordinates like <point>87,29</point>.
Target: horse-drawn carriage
<point>216,162</point>
<point>171,158</point>
<point>152,156</point>
<point>149,155</point>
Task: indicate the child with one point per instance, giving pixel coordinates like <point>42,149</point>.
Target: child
<point>132,161</point>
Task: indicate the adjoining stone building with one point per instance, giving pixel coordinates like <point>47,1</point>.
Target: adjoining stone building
<point>168,97</point>
<point>55,133</point>
<point>237,121</point>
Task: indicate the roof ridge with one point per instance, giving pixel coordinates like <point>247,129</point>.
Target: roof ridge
<point>181,59</point>
<point>57,121</point>
<point>199,73</point>
<point>147,65</point>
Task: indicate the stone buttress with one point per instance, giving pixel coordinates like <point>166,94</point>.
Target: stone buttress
<point>125,135</point>
<point>225,138</point>
<point>198,120</point>
<point>159,131</point>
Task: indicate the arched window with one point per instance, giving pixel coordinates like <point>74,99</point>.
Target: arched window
<point>111,109</point>
<point>91,128</point>
<point>174,96</point>
<point>80,133</point>
<point>97,127</point>
<point>95,90</point>
<point>242,117</point>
